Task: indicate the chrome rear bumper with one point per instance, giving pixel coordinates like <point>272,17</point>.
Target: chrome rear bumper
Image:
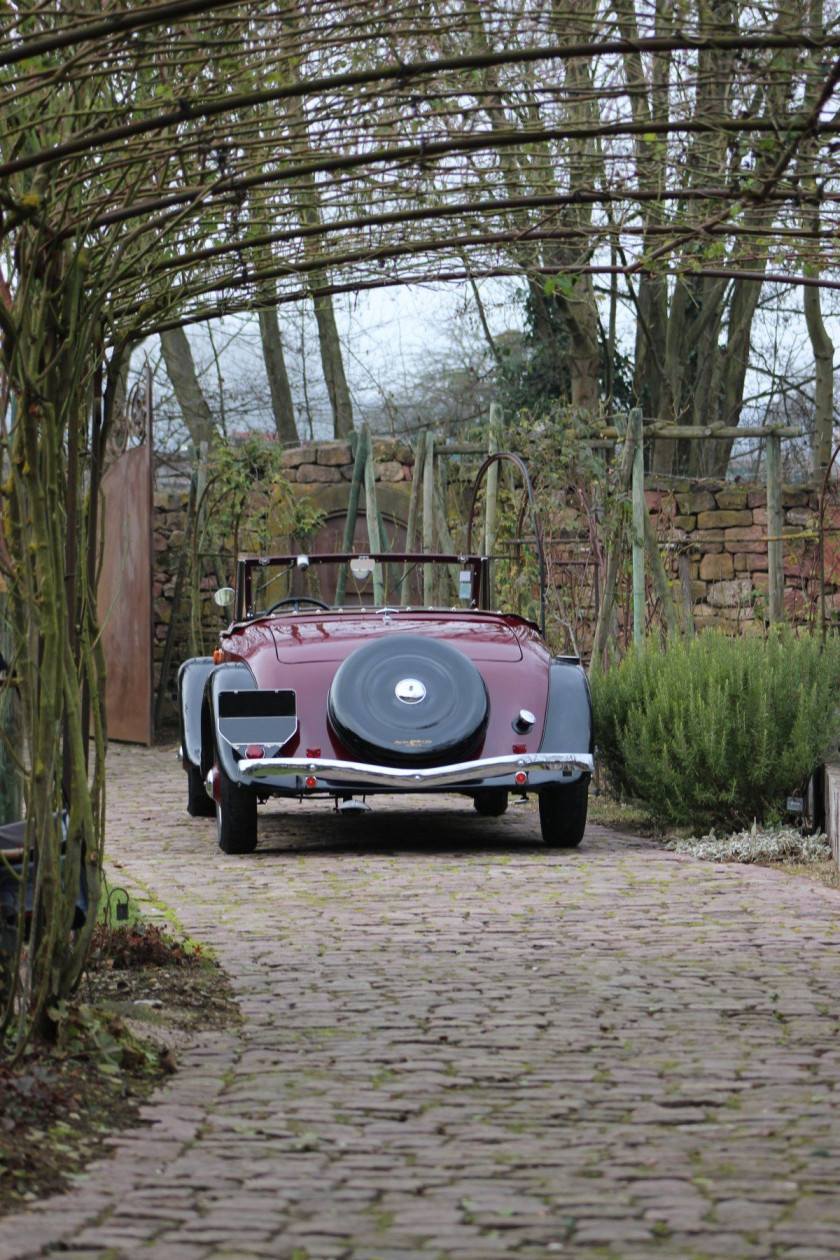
<point>464,773</point>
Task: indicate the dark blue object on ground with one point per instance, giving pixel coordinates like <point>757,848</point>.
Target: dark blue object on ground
<point>12,847</point>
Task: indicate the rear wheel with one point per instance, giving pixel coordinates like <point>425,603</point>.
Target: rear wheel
<point>236,816</point>
<point>491,802</point>
<point>199,804</point>
<point>563,813</point>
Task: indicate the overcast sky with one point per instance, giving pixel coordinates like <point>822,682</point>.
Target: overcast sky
<point>396,342</point>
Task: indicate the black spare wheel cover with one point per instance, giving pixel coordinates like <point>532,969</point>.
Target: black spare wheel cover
<point>411,700</point>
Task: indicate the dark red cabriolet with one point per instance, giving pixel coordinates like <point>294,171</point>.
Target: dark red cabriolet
<point>412,684</point>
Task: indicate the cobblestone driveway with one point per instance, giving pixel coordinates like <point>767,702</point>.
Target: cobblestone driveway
<point>459,1044</point>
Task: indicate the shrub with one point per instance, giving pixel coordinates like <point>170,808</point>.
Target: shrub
<point>718,731</point>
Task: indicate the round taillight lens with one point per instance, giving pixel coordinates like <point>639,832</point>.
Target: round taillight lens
<point>255,751</point>
<point>521,777</point>
<point>311,781</point>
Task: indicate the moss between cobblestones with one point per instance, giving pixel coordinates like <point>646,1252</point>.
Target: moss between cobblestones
<point>784,849</point>
<point>631,817</point>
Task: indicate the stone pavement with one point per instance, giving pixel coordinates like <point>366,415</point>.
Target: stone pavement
<point>458,1045</point>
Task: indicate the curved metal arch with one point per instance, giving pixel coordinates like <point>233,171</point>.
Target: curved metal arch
<point>497,458</point>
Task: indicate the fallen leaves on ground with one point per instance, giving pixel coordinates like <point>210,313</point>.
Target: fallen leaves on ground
<point>144,996</point>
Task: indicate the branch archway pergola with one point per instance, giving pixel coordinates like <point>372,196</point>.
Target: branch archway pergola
<point>216,158</point>
<point>166,163</point>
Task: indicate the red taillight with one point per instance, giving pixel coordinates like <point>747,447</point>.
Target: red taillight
<point>521,778</point>
<point>313,752</point>
<point>520,748</point>
<point>255,751</point>
<point>311,781</point>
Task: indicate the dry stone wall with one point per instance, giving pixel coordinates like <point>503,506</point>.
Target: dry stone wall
<point>333,462</point>
<point>719,528</point>
<point>322,472</point>
<point>722,531</point>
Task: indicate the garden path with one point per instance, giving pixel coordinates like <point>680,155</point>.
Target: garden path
<point>458,1044</point>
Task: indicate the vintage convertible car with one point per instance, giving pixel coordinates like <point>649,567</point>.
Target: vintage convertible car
<point>309,697</point>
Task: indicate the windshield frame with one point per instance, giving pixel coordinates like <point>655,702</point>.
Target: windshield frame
<point>247,565</point>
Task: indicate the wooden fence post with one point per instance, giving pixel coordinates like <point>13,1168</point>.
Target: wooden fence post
<point>684,570</point>
<point>775,553</point>
<point>429,517</point>
<point>491,503</point>
<point>639,511</point>
<point>447,585</point>
<point>492,491</point>
<point>413,506</point>
<point>607,608</point>
<point>352,510</point>
<point>372,514</point>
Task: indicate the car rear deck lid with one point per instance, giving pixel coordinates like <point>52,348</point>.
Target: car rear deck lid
<point>333,637</point>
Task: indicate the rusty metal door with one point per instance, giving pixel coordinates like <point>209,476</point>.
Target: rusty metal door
<point>126,581</point>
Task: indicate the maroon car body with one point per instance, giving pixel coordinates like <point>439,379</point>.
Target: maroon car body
<point>302,698</point>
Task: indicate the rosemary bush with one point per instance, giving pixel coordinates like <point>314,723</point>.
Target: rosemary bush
<point>718,731</point>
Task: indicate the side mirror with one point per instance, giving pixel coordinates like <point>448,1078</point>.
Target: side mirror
<point>224,596</point>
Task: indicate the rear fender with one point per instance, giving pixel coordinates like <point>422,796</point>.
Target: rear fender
<point>233,676</point>
<point>239,713</point>
<point>192,678</point>
<point>568,718</point>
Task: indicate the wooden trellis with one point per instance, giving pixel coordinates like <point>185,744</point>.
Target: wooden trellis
<point>427,501</point>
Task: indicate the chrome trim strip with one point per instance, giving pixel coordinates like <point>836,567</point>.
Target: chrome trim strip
<point>253,769</point>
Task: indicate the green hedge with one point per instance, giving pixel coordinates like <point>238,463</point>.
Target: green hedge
<point>717,731</point>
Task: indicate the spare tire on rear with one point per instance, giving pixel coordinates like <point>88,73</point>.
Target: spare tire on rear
<point>408,700</point>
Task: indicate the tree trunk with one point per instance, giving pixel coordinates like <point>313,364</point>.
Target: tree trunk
<point>278,380</point>
<point>180,368</point>
<point>649,100</point>
<point>333,364</point>
<point>823,348</point>
<point>306,195</point>
<point>581,318</point>
<point>732,367</point>
<point>531,168</point>
<point>585,167</point>
<point>119,380</point>
<point>670,384</point>
<point>821,343</point>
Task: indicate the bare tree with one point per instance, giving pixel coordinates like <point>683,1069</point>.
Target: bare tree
<point>180,368</point>
<point>308,203</point>
<point>282,404</point>
<point>821,343</point>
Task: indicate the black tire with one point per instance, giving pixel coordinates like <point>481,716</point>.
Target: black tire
<point>199,804</point>
<point>236,816</point>
<point>491,802</point>
<point>446,722</point>
<point>563,813</point>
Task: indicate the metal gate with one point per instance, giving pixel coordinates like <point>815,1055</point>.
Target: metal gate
<point>125,586</point>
